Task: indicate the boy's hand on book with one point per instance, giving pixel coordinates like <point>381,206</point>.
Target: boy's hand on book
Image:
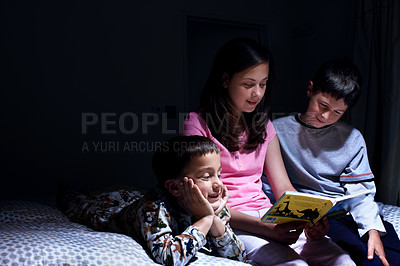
<point>288,233</point>
<point>319,230</point>
<point>224,200</point>
<point>375,246</point>
<point>193,201</point>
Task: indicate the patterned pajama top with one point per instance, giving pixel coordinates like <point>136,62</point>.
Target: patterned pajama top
<point>158,222</point>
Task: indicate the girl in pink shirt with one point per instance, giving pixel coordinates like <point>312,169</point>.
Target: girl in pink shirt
<point>234,114</point>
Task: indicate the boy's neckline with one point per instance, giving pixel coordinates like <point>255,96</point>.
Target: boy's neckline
<point>298,119</point>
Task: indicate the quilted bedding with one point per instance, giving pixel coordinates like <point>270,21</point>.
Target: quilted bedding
<point>33,233</point>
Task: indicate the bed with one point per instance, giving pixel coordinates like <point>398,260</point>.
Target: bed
<point>37,233</point>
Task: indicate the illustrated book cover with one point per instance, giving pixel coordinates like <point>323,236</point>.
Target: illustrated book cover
<point>298,206</point>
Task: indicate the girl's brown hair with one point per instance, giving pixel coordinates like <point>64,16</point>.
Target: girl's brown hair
<point>217,108</point>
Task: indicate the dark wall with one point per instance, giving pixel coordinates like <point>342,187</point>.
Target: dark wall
<point>86,83</point>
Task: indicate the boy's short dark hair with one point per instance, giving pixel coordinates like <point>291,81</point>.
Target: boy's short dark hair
<point>174,155</point>
<point>341,79</point>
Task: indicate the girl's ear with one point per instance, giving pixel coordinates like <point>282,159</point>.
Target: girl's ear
<point>310,88</point>
<point>225,80</point>
<point>172,185</point>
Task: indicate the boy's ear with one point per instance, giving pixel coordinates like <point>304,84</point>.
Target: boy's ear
<point>172,185</point>
<point>225,80</point>
<point>310,88</point>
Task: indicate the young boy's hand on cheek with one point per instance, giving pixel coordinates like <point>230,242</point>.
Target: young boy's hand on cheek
<point>193,201</point>
<point>224,200</point>
<point>218,227</point>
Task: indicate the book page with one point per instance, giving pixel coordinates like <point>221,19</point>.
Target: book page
<point>344,204</point>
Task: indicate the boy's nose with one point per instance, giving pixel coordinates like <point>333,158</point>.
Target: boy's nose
<point>217,182</point>
<point>326,115</point>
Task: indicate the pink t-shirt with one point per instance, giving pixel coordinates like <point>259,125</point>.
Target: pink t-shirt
<point>241,170</point>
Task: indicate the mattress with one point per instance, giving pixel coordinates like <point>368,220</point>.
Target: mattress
<point>35,233</point>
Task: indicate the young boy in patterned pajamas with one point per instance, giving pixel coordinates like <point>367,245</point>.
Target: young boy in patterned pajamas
<point>183,214</point>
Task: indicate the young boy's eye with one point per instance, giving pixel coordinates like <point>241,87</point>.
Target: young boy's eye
<point>206,176</point>
<point>323,105</point>
<point>337,113</point>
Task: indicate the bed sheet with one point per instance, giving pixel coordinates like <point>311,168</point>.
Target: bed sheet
<point>33,233</point>
<point>391,214</point>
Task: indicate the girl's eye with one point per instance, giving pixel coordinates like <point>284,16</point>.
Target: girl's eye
<point>248,85</point>
<point>263,85</point>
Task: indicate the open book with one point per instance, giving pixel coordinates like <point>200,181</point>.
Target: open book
<point>297,206</point>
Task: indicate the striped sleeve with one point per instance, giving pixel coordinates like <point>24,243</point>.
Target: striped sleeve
<point>358,169</point>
